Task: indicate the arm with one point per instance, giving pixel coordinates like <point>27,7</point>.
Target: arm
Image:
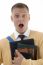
<point>0,55</point>
<point>32,62</point>
<point>20,60</point>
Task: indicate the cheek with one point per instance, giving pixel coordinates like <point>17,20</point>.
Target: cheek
<point>15,21</point>
<point>26,23</point>
<point>26,20</point>
<point>16,24</point>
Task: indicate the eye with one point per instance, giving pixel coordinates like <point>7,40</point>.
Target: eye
<point>17,16</point>
<point>24,16</point>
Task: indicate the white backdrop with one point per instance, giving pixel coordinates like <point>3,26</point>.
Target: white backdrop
<point>36,16</point>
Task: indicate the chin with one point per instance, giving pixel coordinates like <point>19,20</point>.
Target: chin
<point>21,32</point>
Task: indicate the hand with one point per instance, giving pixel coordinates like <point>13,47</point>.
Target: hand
<point>17,60</point>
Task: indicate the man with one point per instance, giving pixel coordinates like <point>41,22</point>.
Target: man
<point>20,17</point>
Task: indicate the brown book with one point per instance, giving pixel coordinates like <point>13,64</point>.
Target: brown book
<point>23,46</point>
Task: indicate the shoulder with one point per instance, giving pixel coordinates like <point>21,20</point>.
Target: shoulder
<point>5,40</point>
<point>36,33</point>
<point>37,36</point>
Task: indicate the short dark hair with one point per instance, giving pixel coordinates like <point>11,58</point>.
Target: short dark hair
<point>20,5</point>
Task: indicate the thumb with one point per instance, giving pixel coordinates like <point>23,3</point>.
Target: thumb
<point>18,53</point>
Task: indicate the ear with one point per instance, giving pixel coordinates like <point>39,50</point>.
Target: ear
<point>11,18</point>
<point>29,16</point>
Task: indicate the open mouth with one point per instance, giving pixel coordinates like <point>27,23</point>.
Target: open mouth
<point>21,25</point>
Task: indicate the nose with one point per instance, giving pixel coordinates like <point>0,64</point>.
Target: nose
<point>20,18</point>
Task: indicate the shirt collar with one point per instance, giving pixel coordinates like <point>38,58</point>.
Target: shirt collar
<point>26,33</point>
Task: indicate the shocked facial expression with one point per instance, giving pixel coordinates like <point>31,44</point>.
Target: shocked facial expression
<point>20,18</point>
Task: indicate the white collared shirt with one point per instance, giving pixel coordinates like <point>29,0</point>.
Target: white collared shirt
<point>26,34</point>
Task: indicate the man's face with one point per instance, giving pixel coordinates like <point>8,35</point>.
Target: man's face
<point>20,18</point>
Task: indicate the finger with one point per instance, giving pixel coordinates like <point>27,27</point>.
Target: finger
<point>12,61</point>
<point>18,53</point>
